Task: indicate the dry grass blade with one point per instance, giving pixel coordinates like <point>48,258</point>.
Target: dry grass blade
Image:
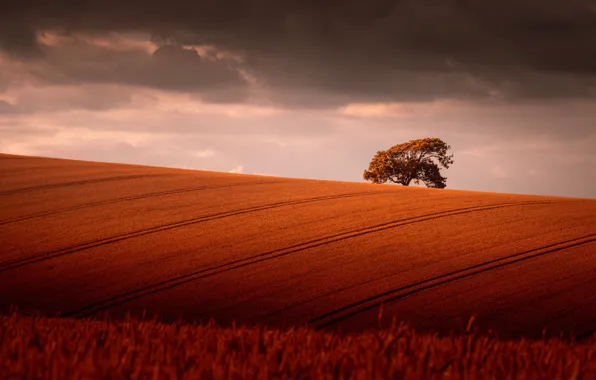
<point>37,347</point>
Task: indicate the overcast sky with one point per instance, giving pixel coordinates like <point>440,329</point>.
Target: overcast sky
<point>301,89</point>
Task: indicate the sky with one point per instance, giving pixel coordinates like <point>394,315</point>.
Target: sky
<point>309,88</point>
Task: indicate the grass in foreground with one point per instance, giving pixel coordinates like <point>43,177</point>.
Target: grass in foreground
<point>54,348</point>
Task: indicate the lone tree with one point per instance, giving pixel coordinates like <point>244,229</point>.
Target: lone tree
<point>411,161</point>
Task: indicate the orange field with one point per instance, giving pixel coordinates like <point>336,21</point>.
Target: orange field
<point>82,238</point>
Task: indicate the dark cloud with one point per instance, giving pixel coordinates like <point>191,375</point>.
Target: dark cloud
<point>174,67</point>
<point>400,50</point>
<point>18,37</point>
<point>72,60</point>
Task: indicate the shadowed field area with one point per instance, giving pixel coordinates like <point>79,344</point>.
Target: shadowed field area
<point>82,238</point>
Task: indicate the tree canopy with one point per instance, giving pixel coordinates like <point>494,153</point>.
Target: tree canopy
<point>416,160</point>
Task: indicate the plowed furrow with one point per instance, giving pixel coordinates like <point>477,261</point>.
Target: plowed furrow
<point>77,183</point>
<point>13,264</point>
<point>377,300</point>
<point>27,169</point>
<point>278,253</point>
<point>126,199</point>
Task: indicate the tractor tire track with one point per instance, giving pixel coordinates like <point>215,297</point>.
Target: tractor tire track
<point>14,264</point>
<point>76,183</point>
<point>278,253</point>
<point>339,290</point>
<point>370,303</point>
<point>129,198</point>
<point>27,169</point>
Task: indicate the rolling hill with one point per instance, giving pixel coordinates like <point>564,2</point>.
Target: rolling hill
<point>85,238</point>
